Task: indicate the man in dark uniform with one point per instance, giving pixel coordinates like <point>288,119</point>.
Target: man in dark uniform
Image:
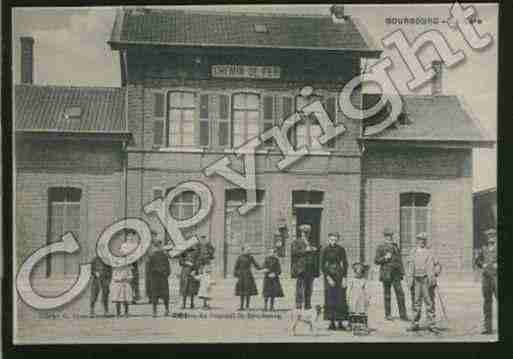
<point>147,272</point>
<point>303,257</point>
<point>159,271</point>
<point>487,261</point>
<point>102,275</point>
<point>388,257</point>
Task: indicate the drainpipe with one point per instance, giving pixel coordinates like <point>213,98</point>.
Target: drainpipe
<point>125,179</point>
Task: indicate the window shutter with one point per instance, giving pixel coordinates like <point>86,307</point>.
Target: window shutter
<point>331,109</point>
<point>204,133</point>
<point>269,115</point>
<point>158,118</point>
<point>223,122</point>
<point>287,110</point>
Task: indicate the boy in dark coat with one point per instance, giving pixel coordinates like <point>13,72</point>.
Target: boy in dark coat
<point>189,285</point>
<point>159,270</point>
<point>102,275</point>
<point>303,259</point>
<point>245,286</point>
<point>334,268</point>
<point>272,286</point>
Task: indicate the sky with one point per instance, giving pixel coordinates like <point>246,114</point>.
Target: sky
<point>71,49</point>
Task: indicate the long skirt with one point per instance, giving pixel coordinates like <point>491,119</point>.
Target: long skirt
<point>188,284</point>
<point>335,301</point>
<point>159,286</point>
<point>246,285</point>
<point>272,287</point>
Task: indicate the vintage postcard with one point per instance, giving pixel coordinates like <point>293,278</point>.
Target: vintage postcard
<point>277,173</point>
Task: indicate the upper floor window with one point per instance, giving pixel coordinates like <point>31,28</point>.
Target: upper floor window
<point>245,118</point>
<point>182,108</point>
<point>218,120</point>
<point>415,217</point>
<point>308,129</point>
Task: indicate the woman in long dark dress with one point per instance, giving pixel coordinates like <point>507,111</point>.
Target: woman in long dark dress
<point>334,268</point>
<point>189,285</point>
<point>245,286</point>
<point>272,286</point>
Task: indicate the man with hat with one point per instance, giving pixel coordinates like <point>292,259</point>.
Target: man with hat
<point>421,275</point>
<point>147,282</point>
<point>487,261</point>
<point>159,271</point>
<point>388,257</point>
<point>102,275</point>
<point>303,258</point>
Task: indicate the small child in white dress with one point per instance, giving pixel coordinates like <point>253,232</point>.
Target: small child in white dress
<point>205,286</point>
<point>359,299</point>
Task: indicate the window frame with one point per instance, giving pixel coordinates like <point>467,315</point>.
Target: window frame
<point>259,96</point>
<point>66,203</point>
<point>413,220</point>
<point>231,208</point>
<point>308,123</point>
<point>195,119</point>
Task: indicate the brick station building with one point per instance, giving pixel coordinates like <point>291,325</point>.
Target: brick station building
<point>195,86</point>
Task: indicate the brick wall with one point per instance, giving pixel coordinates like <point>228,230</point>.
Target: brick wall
<point>338,175</point>
<point>140,103</point>
<point>446,175</point>
<point>95,168</point>
<point>340,206</point>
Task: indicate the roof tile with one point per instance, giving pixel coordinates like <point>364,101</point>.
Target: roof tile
<point>42,108</point>
<point>223,29</point>
<point>435,118</point>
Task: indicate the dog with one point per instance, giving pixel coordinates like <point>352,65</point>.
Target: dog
<point>308,316</point>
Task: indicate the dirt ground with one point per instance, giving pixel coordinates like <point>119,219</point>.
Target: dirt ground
<point>223,323</point>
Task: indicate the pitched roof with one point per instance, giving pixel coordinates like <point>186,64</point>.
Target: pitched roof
<point>177,27</point>
<point>436,118</point>
<point>44,108</point>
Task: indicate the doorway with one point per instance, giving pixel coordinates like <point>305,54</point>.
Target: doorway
<point>311,216</point>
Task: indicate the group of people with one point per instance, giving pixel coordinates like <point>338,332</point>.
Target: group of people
<point>118,285</point>
<point>334,267</point>
<point>345,301</point>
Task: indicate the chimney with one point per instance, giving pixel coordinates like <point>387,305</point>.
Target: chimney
<point>436,81</point>
<point>27,60</point>
<point>337,14</point>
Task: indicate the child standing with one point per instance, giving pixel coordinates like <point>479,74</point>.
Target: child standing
<point>359,299</point>
<point>272,286</point>
<point>205,286</point>
<point>120,287</point>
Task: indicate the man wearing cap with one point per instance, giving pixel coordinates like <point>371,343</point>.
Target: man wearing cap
<point>421,275</point>
<point>159,271</point>
<point>487,261</point>
<point>388,257</point>
<point>151,249</point>
<point>102,275</point>
<point>303,257</point>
